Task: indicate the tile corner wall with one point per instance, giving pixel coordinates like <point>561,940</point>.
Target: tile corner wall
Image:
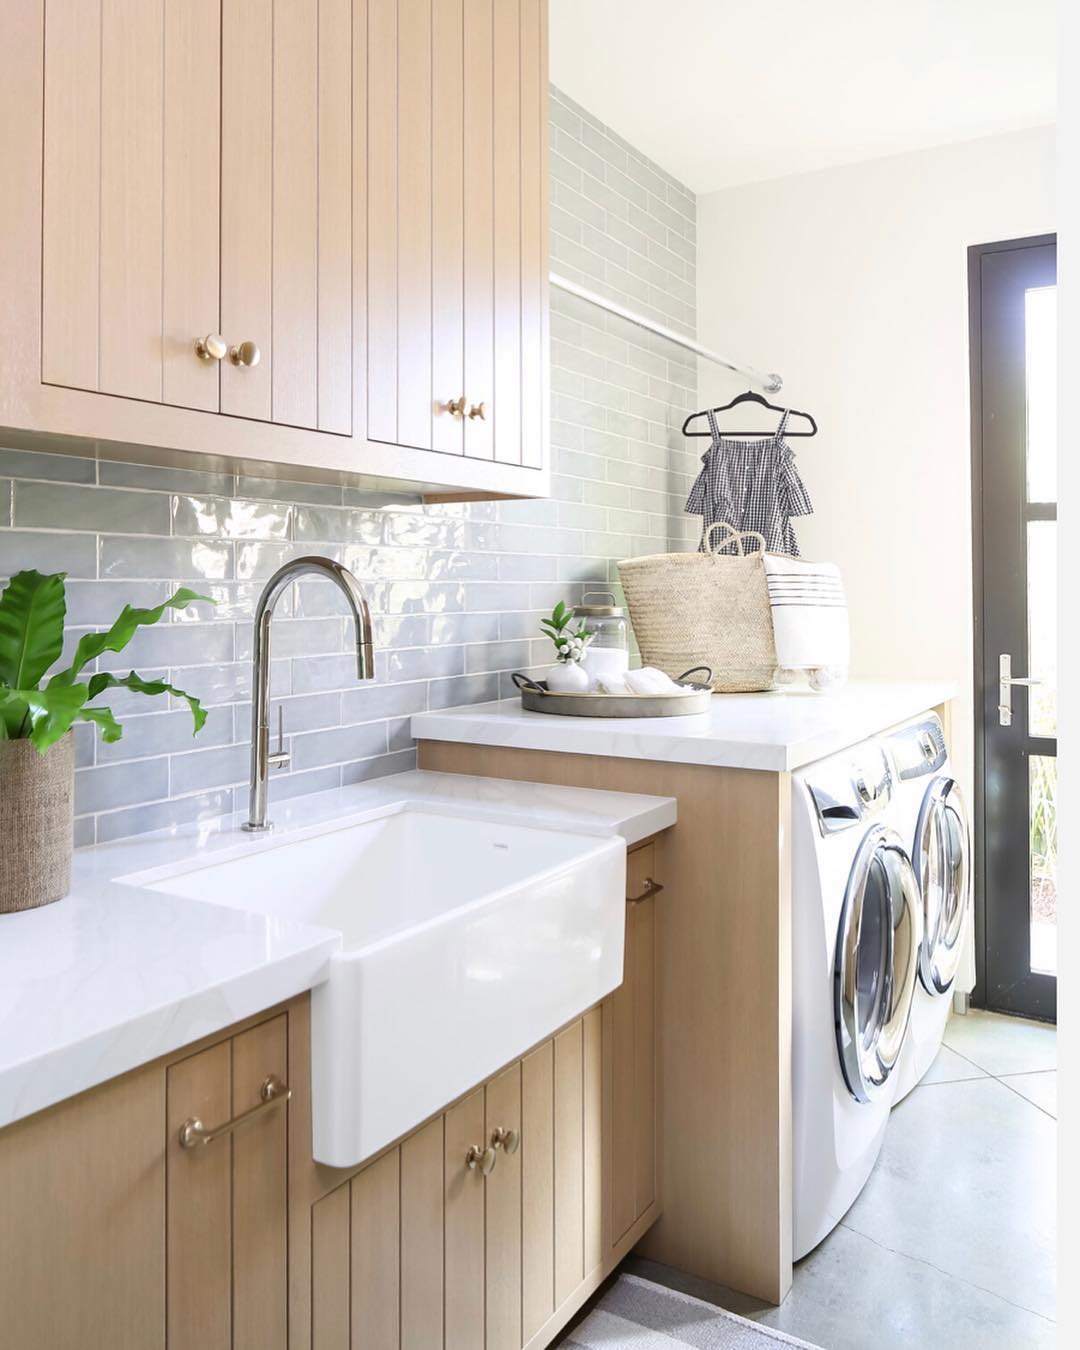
<point>456,590</point>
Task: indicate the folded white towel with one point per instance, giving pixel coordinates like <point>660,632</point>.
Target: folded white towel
<point>810,618</point>
<point>611,684</point>
<point>648,680</point>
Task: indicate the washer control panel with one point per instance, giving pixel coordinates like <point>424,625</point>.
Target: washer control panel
<point>919,748</point>
<point>849,790</point>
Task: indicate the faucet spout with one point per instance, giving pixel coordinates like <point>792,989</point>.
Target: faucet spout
<point>261,758</point>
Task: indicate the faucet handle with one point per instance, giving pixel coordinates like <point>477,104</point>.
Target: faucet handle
<point>279,757</point>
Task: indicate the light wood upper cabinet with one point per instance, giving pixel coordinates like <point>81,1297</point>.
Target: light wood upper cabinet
<point>198,179</point>
<point>355,190</point>
<point>456,226</point>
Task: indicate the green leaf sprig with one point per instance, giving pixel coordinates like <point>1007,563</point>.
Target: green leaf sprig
<point>570,642</point>
<point>32,612</point>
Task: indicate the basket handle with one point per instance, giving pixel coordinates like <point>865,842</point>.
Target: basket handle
<point>733,536</point>
<point>523,681</point>
<point>699,684</point>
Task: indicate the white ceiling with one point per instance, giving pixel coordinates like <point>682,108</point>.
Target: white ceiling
<point>731,91</point>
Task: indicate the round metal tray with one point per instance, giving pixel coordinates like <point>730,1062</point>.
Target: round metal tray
<point>537,697</point>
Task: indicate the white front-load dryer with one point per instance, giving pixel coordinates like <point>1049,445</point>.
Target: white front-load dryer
<point>856,935</point>
<point>935,824</point>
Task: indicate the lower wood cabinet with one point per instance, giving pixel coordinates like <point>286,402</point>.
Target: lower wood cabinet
<point>485,1229</point>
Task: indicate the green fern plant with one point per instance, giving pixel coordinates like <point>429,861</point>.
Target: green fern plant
<point>32,612</point>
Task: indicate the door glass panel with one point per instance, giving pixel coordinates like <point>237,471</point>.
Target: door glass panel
<point>1043,817</point>
<point>1042,626</point>
<point>1040,373</point>
<point>872,956</point>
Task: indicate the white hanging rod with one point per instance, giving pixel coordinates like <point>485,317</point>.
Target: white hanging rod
<point>769,381</point>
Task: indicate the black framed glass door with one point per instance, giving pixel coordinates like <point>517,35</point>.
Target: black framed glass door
<point>1014,428</point>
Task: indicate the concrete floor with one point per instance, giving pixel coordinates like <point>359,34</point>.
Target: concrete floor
<point>952,1242</point>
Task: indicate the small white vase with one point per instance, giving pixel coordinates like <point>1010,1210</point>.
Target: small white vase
<point>567,677</point>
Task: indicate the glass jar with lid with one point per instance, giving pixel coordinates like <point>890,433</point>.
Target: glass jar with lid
<point>608,654</point>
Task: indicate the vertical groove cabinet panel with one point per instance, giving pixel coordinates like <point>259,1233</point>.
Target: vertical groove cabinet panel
<point>633,1167</point>
<point>479,223</point>
<point>382,234</point>
<point>190,212</point>
<point>414,416</point>
<point>72,186</point>
<point>569,1162</point>
<point>504,410</point>
<point>376,1246</point>
<point>464,1225</point>
<point>593,1139</point>
<point>534,249</point>
<point>422,1238</point>
<point>130,323</point>
<point>537,1190</point>
<point>295,215</point>
<point>502,1266</point>
<point>199,1239</point>
<point>330,1288</point>
<point>247,129</point>
<point>260,1202</point>
<point>82,1251</point>
<point>335,357</point>
<point>447,223</point>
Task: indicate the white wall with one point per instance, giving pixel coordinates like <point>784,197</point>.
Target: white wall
<point>852,283</point>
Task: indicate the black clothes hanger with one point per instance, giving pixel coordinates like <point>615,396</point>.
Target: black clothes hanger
<point>750,397</point>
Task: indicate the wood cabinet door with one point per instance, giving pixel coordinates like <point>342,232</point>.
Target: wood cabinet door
<point>456,236</point>
<point>286,209</point>
<point>630,1018</point>
<point>226,1243</point>
<point>130,212</point>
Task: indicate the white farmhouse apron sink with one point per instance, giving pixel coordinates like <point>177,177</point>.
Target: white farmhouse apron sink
<point>464,941</point>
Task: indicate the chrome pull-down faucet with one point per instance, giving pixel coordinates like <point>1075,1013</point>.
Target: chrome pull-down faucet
<point>261,759</point>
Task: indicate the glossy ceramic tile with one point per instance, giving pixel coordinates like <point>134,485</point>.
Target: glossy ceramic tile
<point>949,1067</point>
<point>1003,1045</point>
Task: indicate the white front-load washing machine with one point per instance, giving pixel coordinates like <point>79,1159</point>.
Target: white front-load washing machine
<point>934,823</point>
<point>856,938</point>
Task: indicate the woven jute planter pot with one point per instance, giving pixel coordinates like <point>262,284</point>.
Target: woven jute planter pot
<point>36,823</point>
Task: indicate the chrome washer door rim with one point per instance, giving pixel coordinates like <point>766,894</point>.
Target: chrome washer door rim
<point>942,856</point>
<point>868,1060</point>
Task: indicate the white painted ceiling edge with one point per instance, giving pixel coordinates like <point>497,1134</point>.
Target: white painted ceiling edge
<point>722,92</point>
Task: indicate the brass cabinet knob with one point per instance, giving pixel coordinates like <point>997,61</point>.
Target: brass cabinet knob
<point>482,1159</point>
<point>245,354</point>
<point>456,407</point>
<point>212,347</point>
<point>508,1140</point>
<point>478,410</point>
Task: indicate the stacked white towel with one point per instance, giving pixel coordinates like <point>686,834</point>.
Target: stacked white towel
<point>810,619</point>
<point>647,680</point>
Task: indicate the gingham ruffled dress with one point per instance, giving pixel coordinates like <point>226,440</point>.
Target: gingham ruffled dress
<point>753,485</point>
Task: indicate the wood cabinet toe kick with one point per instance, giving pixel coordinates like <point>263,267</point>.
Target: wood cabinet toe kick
<point>723,1004</point>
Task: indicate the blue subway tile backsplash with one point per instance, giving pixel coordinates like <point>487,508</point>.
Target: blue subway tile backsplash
<point>456,590</point>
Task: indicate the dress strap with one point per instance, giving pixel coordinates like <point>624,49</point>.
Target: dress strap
<point>783,424</point>
<point>712,424</point>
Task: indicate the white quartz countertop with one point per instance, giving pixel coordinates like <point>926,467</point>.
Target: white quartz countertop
<point>114,975</point>
<point>772,731</point>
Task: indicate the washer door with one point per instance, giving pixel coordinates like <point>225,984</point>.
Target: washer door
<point>877,958</point>
<point>941,856</point>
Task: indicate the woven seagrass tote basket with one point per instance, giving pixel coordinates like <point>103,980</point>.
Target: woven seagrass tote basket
<point>709,608</point>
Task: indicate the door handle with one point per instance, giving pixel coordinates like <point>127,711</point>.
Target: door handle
<point>1006,680</point>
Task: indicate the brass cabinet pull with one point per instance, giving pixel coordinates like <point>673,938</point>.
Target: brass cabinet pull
<point>212,347</point>
<point>478,410</point>
<point>245,354</point>
<point>508,1140</point>
<point>456,407</point>
<point>483,1159</point>
<point>193,1132</point>
<point>649,889</point>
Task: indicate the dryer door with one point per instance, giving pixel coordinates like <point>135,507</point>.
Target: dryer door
<point>942,865</point>
<point>877,958</point>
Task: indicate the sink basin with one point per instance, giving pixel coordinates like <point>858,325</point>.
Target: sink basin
<point>464,941</point>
